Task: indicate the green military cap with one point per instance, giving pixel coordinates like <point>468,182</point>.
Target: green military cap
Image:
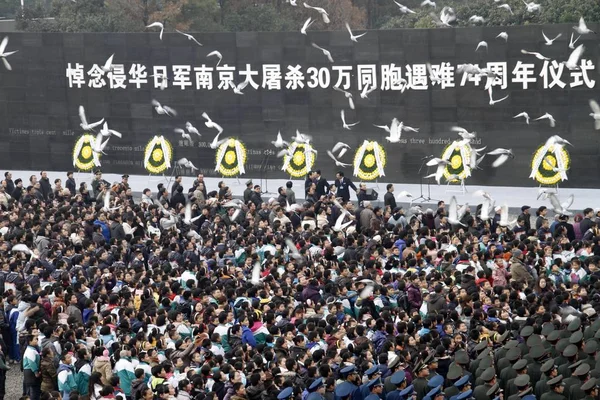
<point>511,344</point>
<point>576,337</point>
<point>486,362</point>
<point>503,337</point>
<point>522,381</point>
<point>520,365</point>
<point>590,347</point>
<point>488,374</point>
<point>548,365</point>
<point>533,340</point>
<point>454,372</point>
<point>481,346</point>
<point>537,351</point>
<point>547,328</point>
<point>589,384</point>
<point>493,390</point>
<point>461,357</point>
<point>553,336</point>
<point>527,331</point>
<point>513,354</point>
<point>582,370</point>
<point>555,381</point>
<point>561,345</point>
<point>575,364</point>
<point>574,325</point>
<point>484,353</point>
<point>570,351</point>
<point>525,392</point>
<point>597,334</point>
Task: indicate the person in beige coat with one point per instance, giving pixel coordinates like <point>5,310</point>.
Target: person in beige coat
<point>102,365</point>
<point>518,271</point>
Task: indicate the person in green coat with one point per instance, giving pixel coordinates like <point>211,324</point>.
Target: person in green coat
<point>66,377</point>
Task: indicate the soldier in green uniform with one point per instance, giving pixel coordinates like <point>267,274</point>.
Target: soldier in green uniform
<point>508,373</point>
<point>489,377</point>
<point>511,386</point>
<point>556,389</point>
<point>549,371</point>
<point>486,362</point>
<point>523,385</point>
<point>463,385</point>
<point>495,392</point>
<point>537,354</point>
<point>591,350</point>
<point>454,374</point>
<point>570,353</point>
<point>420,383</point>
<point>580,376</point>
<point>393,366</point>
<point>577,339</point>
<point>590,388</point>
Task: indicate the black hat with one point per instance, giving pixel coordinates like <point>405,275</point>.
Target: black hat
<point>537,351</point>
<point>513,354</point>
<point>527,331</point>
<point>525,208</point>
<point>574,325</point>
<point>420,366</point>
<point>124,176</point>
<point>548,366</point>
<point>555,381</point>
<point>96,172</point>
<point>570,351</point>
<point>522,381</point>
<point>520,365</point>
<point>488,374</point>
<point>576,337</point>
<point>589,384</point>
<point>582,370</point>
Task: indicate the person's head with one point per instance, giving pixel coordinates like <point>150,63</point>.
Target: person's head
<point>390,187</point>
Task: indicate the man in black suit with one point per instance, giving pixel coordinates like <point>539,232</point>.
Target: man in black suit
<point>343,186</point>
<point>322,184</point>
<point>388,198</point>
<point>310,179</point>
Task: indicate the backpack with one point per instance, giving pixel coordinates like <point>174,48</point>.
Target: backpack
<point>403,301</point>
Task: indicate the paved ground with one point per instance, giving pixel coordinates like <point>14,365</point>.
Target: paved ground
<point>14,383</point>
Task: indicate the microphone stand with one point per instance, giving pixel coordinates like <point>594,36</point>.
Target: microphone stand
<point>422,196</point>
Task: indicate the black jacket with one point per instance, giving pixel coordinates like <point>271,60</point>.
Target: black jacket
<point>45,187</point>
<point>70,184</point>
<point>322,187</point>
<point>343,188</point>
<point>176,199</point>
<point>389,200</point>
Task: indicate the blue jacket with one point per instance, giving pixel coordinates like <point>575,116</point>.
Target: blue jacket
<point>248,337</point>
<point>105,229</point>
<point>66,379</point>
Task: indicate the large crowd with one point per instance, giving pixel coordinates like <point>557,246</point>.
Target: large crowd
<point>191,294</point>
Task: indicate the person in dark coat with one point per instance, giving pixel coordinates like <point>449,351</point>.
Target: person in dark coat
<point>10,185</point>
<point>388,198</point>
<point>18,191</point>
<point>526,217</point>
<point>248,191</point>
<point>178,198</point>
<point>45,185</point>
<point>289,192</point>
<point>282,198</point>
<point>436,301</point>
<point>70,183</point>
<point>413,291</point>
<point>311,292</point>
<point>322,184</point>
<point>256,198</point>
<point>343,186</point>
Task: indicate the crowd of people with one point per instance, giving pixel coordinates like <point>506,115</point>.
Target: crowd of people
<point>192,294</point>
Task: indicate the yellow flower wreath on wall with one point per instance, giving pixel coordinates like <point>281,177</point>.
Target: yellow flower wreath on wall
<point>301,160</point>
<point>158,155</point>
<point>231,158</point>
<point>84,158</point>
<point>366,165</point>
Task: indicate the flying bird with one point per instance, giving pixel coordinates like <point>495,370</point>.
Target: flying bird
<point>21,248</point>
<point>582,28</point>
<point>163,110</point>
<point>484,194</point>
<point>341,147</point>
<point>189,37</point>
<point>321,11</point>
<point>483,43</point>
<point>4,54</point>
<point>344,124</point>
<point>463,133</point>
<point>337,162</point>
<point>550,41</point>
<point>503,35</point>
<point>84,124</point>
<point>292,2</point>
<point>326,52</point>
<point>109,132</point>
<point>548,117</point>
<point>306,25</point>
<point>454,214</point>
<point>108,67</point>
<point>216,142</point>
<point>440,166</point>
<point>256,271</point>
<point>185,163</point>
<point>279,142</point>
<point>191,129</point>
<point>404,9</point>
<point>106,202</point>
<point>492,101</point>
<point>572,42</point>
<point>406,128</point>
<point>98,145</point>
<point>507,8</point>
<point>503,156</point>
<point>187,217</point>
<point>524,115</point>
<point>433,76</point>
<point>476,19</point>
<point>531,6</point>
<point>157,25</point>
<point>537,55</point>
<point>404,194</point>
<point>347,94</point>
<point>557,206</point>
<point>595,113</point>
<point>238,89</point>
<point>211,124</point>
<point>504,217</point>
<point>301,137</point>
<point>395,131</point>
<point>217,54</point>
<point>184,134</point>
<point>573,61</point>
<point>428,3</point>
<point>384,127</point>
<point>352,36</point>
